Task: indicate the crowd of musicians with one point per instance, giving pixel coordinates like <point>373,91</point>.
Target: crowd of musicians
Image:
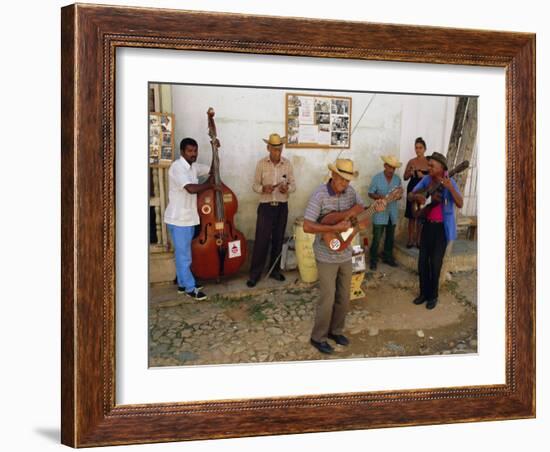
<point>274,182</point>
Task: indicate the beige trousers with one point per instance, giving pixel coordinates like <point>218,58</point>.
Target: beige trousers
<point>332,307</point>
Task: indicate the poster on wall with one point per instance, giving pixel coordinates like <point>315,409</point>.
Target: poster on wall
<point>161,138</point>
<point>315,121</point>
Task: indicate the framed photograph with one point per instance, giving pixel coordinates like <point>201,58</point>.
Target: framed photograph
<point>160,133</point>
<point>132,350</point>
<point>317,121</point>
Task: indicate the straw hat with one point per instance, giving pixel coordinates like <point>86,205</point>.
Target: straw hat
<point>391,160</point>
<point>344,167</point>
<point>275,140</point>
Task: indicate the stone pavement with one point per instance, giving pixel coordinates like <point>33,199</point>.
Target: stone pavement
<point>273,321</point>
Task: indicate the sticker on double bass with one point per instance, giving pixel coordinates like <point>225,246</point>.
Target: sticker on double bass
<point>234,248</point>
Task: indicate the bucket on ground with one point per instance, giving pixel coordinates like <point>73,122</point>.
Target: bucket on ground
<point>304,252</point>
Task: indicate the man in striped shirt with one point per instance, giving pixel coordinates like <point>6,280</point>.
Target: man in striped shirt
<point>334,267</point>
<point>273,181</point>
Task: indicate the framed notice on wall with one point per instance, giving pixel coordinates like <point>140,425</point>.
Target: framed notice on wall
<point>316,121</point>
<point>161,138</point>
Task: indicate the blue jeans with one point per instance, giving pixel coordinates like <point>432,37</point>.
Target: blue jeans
<point>181,238</point>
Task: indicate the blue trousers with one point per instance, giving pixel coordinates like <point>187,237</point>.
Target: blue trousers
<point>181,238</point>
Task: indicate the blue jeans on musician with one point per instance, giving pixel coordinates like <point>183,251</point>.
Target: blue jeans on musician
<point>181,238</point>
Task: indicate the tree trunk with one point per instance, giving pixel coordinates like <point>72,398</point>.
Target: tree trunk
<point>463,136</point>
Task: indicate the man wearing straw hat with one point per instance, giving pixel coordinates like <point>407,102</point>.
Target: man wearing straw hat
<point>382,184</point>
<point>273,181</point>
<point>334,267</point>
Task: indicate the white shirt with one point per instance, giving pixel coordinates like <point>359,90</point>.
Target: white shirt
<point>182,205</point>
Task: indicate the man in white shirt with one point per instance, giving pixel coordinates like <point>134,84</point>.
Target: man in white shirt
<point>181,214</point>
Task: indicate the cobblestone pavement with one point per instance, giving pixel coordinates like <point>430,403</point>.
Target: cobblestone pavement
<point>275,324</point>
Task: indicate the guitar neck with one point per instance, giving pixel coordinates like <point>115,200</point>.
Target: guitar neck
<point>367,213</point>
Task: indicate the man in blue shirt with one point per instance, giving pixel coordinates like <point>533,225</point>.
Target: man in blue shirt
<point>382,184</point>
<point>439,226</point>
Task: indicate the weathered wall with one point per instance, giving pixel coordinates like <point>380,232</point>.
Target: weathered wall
<point>246,115</point>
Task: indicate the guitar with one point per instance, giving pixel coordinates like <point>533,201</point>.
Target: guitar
<point>358,216</point>
<point>420,211</point>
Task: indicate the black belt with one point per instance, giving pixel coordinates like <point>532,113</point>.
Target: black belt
<point>274,203</point>
<point>434,222</point>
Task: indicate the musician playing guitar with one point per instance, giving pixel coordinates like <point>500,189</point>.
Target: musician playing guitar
<point>384,222</point>
<point>439,225</point>
<point>333,260</point>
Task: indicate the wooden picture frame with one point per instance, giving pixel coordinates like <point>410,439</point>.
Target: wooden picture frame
<point>308,145</point>
<point>90,37</point>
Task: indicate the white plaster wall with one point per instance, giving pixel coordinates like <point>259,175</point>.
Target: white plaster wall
<point>429,117</point>
<point>246,115</point>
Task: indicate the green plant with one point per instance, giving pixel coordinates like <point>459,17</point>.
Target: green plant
<point>256,311</point>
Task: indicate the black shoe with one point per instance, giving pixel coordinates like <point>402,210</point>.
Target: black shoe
<point>251,282</point>
<point>373,265</point>
<point>390,262</point>
<point>420,299</point>
<point>277,276</point>
<point>431,303</point>
<point>183,291</point>
<point>340,339</point>
<point>323,347</point>
<point>196,294</point>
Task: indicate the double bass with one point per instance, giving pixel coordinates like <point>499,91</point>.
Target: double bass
<point>220,248</point>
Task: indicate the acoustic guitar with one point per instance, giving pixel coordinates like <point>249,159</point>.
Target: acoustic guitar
<point>420,211</point>
<point>358,216</point>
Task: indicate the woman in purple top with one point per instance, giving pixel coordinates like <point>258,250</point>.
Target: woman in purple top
<point>416,169</point>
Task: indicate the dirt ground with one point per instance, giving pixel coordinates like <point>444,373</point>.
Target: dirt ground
<point>273,323</point>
